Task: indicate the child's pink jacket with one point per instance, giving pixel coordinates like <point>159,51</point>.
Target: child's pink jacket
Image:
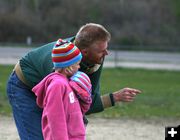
<point>62,117</point>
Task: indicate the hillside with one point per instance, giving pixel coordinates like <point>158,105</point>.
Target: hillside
<point>137,22</point>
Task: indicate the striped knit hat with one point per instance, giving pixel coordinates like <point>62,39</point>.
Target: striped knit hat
<point>82,80</point>
<point>65,54</point>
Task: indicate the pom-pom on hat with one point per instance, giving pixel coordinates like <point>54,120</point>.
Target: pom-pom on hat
<point>65,54</point>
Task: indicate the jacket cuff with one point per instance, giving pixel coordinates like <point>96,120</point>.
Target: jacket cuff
<point>106,101</point>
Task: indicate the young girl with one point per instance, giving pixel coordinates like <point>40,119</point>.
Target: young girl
<point>58,95</point>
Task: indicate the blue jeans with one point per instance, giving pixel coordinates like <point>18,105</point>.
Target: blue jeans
<point>27,114</point>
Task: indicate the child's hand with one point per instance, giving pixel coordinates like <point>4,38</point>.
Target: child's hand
<point>69,71</point>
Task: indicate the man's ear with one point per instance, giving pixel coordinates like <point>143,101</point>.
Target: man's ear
<point>84,52</point>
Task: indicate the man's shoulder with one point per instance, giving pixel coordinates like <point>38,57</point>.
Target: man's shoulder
<point>70,39</point>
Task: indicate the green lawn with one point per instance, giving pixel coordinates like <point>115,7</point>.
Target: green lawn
<point>4,74</point>
<point>160,92</point>
<point>160,97</point>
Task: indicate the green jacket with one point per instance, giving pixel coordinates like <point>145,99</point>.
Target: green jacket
<point>37,63</point>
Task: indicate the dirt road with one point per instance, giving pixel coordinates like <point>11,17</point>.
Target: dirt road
<point>107,129</point>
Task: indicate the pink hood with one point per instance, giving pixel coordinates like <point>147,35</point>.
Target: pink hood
<point>41,88</point>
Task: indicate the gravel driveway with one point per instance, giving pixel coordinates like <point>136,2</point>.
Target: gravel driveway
<point>107,129</point>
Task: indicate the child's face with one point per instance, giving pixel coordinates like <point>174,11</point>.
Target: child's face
<point>73,68</point>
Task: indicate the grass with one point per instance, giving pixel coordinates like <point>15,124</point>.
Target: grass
<point>4,74</point>
<point>160,92</point>
<point>160,97</point>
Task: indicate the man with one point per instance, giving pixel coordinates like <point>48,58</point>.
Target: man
<point>92,39</point>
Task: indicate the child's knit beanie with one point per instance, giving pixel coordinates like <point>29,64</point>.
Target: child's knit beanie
<point>65,54</point>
